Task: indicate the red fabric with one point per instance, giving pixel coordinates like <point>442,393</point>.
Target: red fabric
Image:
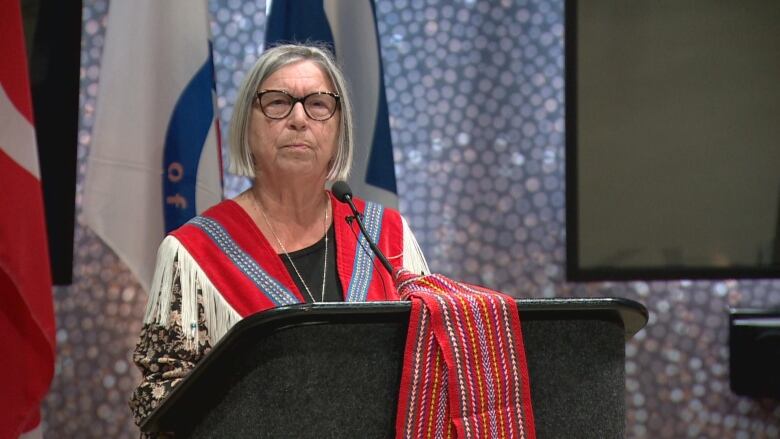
<point>465,373</point>
<point>233,285</point>
<point>26,309</point>
<point>13,59</point>
<point>390,243</point>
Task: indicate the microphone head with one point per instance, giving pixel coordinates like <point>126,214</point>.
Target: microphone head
<point>342,191</point>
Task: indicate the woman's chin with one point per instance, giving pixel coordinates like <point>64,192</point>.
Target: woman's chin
<point>298,167</point>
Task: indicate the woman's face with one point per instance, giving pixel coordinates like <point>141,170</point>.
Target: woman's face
<point>295,145</point>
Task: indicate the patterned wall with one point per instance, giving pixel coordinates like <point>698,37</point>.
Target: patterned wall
<point>476,95</point>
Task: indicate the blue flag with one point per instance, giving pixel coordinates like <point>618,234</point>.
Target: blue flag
<point>349,27</point>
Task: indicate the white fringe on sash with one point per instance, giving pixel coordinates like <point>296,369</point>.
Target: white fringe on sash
<point>414,260</point>
<point>218,314</point>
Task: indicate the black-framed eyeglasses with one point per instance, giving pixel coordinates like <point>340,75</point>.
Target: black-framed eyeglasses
<point>278,104</point>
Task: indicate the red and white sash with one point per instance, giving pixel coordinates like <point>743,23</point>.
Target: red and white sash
<point>465,373</point>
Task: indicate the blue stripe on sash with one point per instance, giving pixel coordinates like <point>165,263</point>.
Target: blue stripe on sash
<point>269,286</point>
<point>363,268</point>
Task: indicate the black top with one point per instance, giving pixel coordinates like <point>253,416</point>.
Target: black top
<point>310,262</point>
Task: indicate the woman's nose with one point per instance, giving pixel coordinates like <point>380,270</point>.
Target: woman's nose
<point>298,117</point>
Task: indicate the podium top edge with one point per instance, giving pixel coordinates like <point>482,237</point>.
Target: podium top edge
<point>632,314</point>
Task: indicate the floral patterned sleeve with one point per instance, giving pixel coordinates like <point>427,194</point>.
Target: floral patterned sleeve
<point>164,357</point>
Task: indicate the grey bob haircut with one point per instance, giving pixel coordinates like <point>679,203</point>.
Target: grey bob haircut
<point>270,61</point>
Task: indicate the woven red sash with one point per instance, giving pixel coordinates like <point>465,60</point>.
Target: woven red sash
<point>465,373</point>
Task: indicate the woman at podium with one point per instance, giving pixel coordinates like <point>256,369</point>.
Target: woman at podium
<point>286,240</point>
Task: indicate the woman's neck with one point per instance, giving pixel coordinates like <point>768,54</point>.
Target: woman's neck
<point>290,204</point>
<point>298,215</point>
<point>290,197</point>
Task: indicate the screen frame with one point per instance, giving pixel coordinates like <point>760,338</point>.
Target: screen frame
<point>574,270</point>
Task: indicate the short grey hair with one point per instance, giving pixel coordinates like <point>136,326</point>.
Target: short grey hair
<point>269,62</point>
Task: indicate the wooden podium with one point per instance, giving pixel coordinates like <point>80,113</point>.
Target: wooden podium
<point>333,370</point>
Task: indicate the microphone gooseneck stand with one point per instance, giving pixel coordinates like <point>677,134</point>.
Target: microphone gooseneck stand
<point>343,193</point>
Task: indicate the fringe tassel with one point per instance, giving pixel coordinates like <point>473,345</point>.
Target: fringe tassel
<point>414,260</point>
<point>219,316</point>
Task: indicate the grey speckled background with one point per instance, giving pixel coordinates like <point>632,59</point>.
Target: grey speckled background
<point>476,93</point>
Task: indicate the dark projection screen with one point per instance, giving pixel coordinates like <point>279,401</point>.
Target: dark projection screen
<point>673,139</point>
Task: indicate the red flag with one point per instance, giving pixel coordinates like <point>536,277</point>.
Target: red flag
<point>26,309</point>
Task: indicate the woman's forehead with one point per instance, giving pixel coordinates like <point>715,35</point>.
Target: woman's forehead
<point>299,76</point>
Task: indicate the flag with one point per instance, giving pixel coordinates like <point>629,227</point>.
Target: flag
<point>349,27</point>
<point>154,161</point>
<point>26,307</point>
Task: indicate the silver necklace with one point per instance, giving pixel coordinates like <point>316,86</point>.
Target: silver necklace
<point>279,241</point>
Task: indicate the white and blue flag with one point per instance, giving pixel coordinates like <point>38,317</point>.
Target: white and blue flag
<point>154,160</point>
<point>349,27</point>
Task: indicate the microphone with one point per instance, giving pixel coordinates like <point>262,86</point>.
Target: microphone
<point>343,193</point>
